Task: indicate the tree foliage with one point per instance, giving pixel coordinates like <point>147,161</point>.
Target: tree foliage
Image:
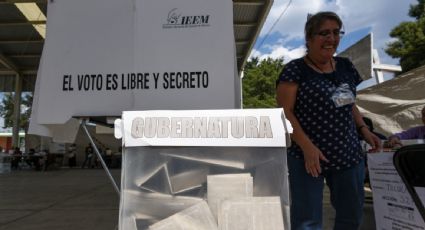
<point>7,108</point>
<point>259,82</point>
<point>409,45</point>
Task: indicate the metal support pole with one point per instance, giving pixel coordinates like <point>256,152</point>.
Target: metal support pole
<point>83,124</point>
<point>17,110</point>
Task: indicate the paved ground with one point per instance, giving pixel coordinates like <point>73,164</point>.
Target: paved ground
<point>62,199</point>
<point>83,199</point>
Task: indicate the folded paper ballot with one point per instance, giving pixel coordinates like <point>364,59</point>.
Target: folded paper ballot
<point>250,213</point>
<point>157,205</point>
<point>188,180</point>
<point>196,217</point>
<point>225,186</point>
<point>159,181</point>
<point>166,180</point>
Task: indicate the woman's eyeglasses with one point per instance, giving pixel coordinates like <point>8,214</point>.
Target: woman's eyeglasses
<point>327,33</point>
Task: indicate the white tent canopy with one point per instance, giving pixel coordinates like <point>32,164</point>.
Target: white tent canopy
<point>395,105</point>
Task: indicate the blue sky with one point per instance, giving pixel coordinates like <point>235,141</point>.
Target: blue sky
<point>360,17</point>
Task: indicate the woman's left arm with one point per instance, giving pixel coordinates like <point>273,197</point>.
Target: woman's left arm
<point>363,129</point>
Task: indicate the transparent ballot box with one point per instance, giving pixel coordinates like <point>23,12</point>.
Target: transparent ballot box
<point>204,169</point>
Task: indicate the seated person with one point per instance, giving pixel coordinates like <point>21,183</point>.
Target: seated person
<point>417,132</point>
<point>16,158</point>
<point>29,158</point>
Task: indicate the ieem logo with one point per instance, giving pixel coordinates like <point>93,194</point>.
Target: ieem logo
<point>176,20</point>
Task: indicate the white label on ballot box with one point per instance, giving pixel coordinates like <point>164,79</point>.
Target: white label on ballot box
<point>233,127</point>
<point>392,203</point>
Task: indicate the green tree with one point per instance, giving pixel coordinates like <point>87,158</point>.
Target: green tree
<point>259,82</point>
<point>409,45</point>
<point>7,107</point>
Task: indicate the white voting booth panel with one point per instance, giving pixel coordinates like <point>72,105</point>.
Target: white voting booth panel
<point>393,205</point>
<point>204,169</point>
<point>133,55</point>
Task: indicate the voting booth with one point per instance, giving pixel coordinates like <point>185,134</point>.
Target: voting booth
<point>204,169</point>
<point>142,55</point>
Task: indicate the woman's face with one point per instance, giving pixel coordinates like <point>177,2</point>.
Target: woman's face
<point>325,41</point>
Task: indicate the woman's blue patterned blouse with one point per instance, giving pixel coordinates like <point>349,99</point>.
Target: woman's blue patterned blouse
<point>331,129</point>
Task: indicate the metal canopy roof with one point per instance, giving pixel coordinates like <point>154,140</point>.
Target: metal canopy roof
<point>21,45</point>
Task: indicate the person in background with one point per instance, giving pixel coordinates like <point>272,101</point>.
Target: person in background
<point>318,93</point>
<point>89,156</point>
<point>38,160</point>
<point>29,159</point>
<point>47,159</point>
<point>417,132</point>
<point>97,163</point>
<point>72,156</point>
<point>108,157</point>
<point>117,156</point>
<point>16,158</point>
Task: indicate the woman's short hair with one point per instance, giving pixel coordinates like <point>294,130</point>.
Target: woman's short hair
<point>315,21</point>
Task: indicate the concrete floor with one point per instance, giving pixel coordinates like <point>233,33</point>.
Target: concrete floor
<point>62,199</point>
<point>82,199</point>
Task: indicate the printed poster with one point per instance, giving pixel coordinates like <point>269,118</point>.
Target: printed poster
<point>392,203</point>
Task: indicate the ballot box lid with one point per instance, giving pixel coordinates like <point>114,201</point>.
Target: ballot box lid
<point>229,127</point>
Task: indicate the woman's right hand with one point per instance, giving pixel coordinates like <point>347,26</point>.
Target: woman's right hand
<point>312,158</point>
<point>286,97</point>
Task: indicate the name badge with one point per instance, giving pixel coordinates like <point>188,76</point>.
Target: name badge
<point>343,95</point>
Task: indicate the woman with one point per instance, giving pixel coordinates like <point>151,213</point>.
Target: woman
<point>317,93</point>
